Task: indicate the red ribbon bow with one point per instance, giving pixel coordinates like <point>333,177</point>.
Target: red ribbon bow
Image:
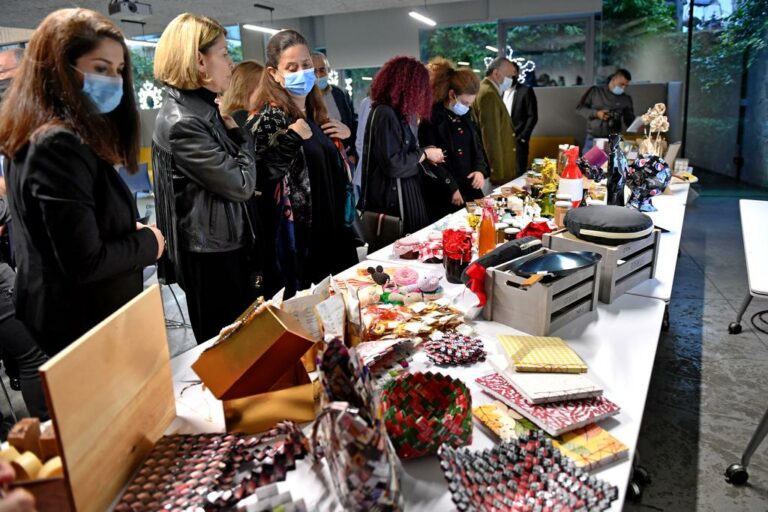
<point>476,283</point>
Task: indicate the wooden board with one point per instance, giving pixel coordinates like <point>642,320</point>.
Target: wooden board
<point>110,395</point>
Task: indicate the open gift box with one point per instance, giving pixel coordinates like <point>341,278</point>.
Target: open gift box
<point>256,370</point>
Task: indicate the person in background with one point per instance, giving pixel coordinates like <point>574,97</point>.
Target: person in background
<point>494,121</point>
<point>362,122</point>
<point>237,100</point>
<point>522,106</point>
<point>337,103</point>
<point>462,175</point>
<point>400,95</point>
<point>9,63</point>
<point>605,107</point>
<point>69,118</point>
<point>204,175</point>
<point>301,174</point>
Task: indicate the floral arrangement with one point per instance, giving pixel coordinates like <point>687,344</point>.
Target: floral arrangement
<point>655,123</point>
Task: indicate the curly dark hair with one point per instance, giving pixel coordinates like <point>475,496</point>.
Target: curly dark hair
<point>403,84</point>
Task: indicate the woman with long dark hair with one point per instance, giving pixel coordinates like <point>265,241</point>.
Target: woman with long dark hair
<point>462,175</point>
<point>301,171</point>
<point>204,174</point>
<point>69,118</point>
<point>400,96</point>
<point>237,101</point>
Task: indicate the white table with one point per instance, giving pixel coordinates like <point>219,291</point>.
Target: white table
<point>753,231</point>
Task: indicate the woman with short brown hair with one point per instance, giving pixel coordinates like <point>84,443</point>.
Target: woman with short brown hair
<point>238,100</point>
<point>204,175</point>
<point>69,119</point>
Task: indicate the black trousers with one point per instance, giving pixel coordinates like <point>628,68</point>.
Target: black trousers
<point>217,288</point>
<point>19,344</point>
<point>522,156</point>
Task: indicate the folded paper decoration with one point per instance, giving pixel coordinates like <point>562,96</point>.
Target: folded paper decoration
<point>555,418</point>
<point>255,368</point>
<point>212,471</point>
<point>519,475</point>
<point>591,447</point>
<point>424,410</point>
<point>455,349</point>
<point>502,421</point>
<point>541,354</point>
<point>541,388</point>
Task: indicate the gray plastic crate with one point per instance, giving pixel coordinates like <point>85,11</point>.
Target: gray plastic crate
<point>623,266</point>
<point>540,308</point>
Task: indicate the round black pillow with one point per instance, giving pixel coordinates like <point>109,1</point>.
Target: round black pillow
<point>608,225</point>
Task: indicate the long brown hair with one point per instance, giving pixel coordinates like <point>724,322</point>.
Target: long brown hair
<point>273,93</point>
<point>245,80</point>
<point>46,91</point>
<point>444,77</point>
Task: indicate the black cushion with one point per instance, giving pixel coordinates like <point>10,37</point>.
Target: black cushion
<point>608,225</point>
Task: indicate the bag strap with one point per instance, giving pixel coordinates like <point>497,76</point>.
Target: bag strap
<point>366,165</point>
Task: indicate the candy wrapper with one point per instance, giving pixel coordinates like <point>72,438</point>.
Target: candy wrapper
<point>518,475</point>
<point>454,349</point>
<point>424,410</point>
<point>345,378</point>
<point>393,364</point>
<point>404,321</point>
<point>647,177</point>
<point>212,471</point>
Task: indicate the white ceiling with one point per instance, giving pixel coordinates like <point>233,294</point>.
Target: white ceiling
<point>28,13</point>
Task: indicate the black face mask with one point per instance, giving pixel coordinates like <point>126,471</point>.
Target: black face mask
<point>4,85</point>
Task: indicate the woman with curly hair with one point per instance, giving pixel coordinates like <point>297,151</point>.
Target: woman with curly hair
<point>392,170</point>
<point>462,175</point>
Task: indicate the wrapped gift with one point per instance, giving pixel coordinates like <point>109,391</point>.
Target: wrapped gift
<point>255,368</point>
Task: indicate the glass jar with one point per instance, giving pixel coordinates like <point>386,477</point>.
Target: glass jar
<point>511,234</point>
<point>500,227</point>
<point>561,209</point>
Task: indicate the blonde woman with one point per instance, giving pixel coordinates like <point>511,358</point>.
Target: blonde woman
<point>204,174</point>
<point>238,100</point>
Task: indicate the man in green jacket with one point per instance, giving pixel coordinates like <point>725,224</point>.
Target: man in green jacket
<point>494,122</point>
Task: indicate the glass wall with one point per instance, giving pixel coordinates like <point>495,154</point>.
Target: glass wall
<point>473,45</point>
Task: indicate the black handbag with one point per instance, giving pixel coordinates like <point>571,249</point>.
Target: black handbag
<point>379,229</point>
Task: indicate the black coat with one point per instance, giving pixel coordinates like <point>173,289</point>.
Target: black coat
<point>204,174</point>
<point>348,117</point>
<point>394,153</point>
<point>79,256</point>
<point>525,112</point>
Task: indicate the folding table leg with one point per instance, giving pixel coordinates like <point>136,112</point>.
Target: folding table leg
<point>735,327</point>
<point>736,474</point>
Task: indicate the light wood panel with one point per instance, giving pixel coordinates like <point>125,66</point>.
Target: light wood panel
<point>110,395</point>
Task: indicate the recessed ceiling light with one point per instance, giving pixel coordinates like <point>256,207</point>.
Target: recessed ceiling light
<point>259,28</point>
<point>420,17</point>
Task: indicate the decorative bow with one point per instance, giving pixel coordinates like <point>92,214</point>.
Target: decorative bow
<point>476,283</point>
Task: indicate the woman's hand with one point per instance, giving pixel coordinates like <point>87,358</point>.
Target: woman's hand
<point>434,155</point>
<point>159,238</point>
<point>478,180</point>
<point>336,129</point>
<point>301,127</point>
<point>456,199</point>
<point>18,500</point>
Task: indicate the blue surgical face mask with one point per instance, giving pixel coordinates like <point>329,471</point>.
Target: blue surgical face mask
<point>506,84</point>
<point>105,92</point>
<point>301,82</point>
<point>322,82</point>
<point>618,91</point>
<point>459,108</point>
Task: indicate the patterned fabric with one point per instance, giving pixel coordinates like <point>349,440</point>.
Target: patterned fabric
<point>272,123</point>
<point>541,354</point>
<point>555,418</point>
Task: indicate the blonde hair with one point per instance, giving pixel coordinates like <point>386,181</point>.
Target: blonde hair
<point>176,52</point>
<point>245,80</point>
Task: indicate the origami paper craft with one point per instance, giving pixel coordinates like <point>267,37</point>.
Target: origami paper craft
<point>502,421</point>
<point>520,475</point>
<point>555,418</point>
<point>541,354</point>
<point>424,410</point>
<point>591,447</point>
<point>454,349</point>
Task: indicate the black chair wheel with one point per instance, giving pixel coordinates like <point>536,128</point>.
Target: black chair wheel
<point>734,328</point>
<point>634,492</point>
<point>665,321</point>
<point>641,475</point>
<point>736,474</point>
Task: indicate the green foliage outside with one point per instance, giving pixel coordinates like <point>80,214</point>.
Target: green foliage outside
<point>465,43</point>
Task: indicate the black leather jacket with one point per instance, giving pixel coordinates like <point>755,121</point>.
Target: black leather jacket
<point>203,174</point>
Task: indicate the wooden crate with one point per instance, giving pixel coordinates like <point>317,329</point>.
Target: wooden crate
<point>540,308</point>
<point>623,266</point>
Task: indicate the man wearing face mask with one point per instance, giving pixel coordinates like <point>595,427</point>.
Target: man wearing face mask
<point>521,104</point>
<point>9,61</point>
<point>605,107</point>
<point>494,121</point>
<point>337,102</point>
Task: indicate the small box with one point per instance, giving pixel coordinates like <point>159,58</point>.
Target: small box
<point>540,308</point>
<point>622,267</point>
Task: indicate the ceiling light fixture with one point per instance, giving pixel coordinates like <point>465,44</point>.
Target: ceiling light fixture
<point>492,48</point>
<point>366,78</point>
<point>463,63</point>
<point>476,70</point>
<point>420,17</point>
<point>259,28</point>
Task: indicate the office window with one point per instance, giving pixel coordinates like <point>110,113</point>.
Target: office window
<point>471,45</point>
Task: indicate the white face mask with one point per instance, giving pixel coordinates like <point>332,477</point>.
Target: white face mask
<point>506,84</point>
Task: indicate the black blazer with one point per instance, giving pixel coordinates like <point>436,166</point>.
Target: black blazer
<point>525,112</point>
<point>348,117</point>
<point>79,256</point>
